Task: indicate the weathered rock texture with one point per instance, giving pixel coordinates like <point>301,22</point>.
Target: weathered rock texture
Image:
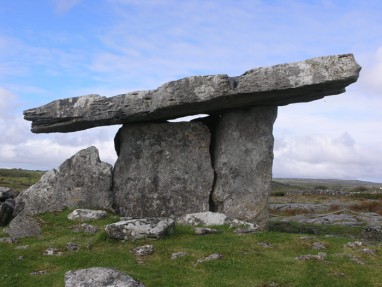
<point>100,277</point>
<point>87,214</point>
<point>141,228</point>
<point>277,85</point>
<point>23,226</point>
<point>163,169</point>
<point>81,181</point>
<point>243,156</point>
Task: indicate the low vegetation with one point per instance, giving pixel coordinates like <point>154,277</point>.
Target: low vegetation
<point>19,179</point>
<point>263,259</point>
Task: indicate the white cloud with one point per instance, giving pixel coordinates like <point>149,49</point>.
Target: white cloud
<point>63,6</point>
<point>322,156</point>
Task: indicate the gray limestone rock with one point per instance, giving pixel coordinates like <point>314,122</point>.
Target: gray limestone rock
<point>100,277</point>
<point>214,256</point>
<point>23,226</point>
<point>243,155</point>
<point>133,229</point>
<point>207,218</point>
<point>163,169</point>
<point>86,214</point>
<point>143,250</point>
<point>205,230</point>
<point>277,85</point>
<point>81,181</point>
<point>6,211</point>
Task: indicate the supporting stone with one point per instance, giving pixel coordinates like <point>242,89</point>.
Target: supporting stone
<point>243,156</point>
<point>163,169</point>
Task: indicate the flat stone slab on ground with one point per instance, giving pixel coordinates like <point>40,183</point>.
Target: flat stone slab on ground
<point>100,277</point>
<point>87,214</point>
<point>155,228</point>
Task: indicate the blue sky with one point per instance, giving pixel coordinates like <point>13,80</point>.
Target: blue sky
<point>51,49</point>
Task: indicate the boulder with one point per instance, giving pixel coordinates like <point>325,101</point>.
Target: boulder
<point>242,160</point>
<point>277,85</point>
<point>155,228</point>
<point>100,277</point>
<point>7,193</point>
<point>6,211</point>
<point>87,214</point>
<point>82,181</point>
<point>163,169</point>
<point>143,250</point>
<point>23,226</point>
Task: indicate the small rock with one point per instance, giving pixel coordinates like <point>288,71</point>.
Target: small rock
<point>369,251</point>
<point>23,226</point>
<point>52,252</point>
<point>98,276</point>
<point>22,247</point>
<point>87,214</point>
<point>143,250</point>
<point>40,272</point>
<point>265,244</point>
<point>356,259</point>
<point>354,244</point>
<point>70,246</point>
<point>214,256</point>
<point>318,246</point>
<point>247,230</point>
<point>178,255</point>
<point>87,228</point>
<point>307,237</point>
<point>22,257</point>
<point>205,230</point>
<point>203,218</point>
<point>319,257</point>
<point>141,228</point>
<point>5,240</point>
<point>372,233</point>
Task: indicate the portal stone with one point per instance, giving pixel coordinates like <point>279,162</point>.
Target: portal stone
<point>243,156</point>
<point>163,169</point>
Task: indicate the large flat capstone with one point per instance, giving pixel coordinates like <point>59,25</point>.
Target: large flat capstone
<point>276,85</point>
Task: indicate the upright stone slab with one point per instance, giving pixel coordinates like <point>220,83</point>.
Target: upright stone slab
<point>82,181</point>
<point>163,169</point>
<point>243,156</point>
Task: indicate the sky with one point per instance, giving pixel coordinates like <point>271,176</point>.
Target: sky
<point>53,49</point>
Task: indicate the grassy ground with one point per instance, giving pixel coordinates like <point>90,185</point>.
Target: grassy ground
<point>246,261</point>
<point>19,179</point>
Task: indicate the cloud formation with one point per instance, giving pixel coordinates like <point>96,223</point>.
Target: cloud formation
<point>63,6</point>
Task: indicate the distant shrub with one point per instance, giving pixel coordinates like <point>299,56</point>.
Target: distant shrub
<point>320,187</point>
<point>367,195</point>
<point>367,206</point>
<point>359,189</point>
<point>278,193</point>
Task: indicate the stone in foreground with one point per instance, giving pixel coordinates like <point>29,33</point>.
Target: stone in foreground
<point>86,214</point>
<point>23,226</point>
<point>100,277</point>
<point>203,218</point>
<point>277,85</point>
<point>243,156</point>
<point>82,181</point>
<point>163,169</point>
<point>134,229</point>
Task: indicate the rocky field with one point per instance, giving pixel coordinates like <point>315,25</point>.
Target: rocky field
<point>321,233</point>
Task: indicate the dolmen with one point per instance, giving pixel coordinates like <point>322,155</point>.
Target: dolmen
<point>220,163</point>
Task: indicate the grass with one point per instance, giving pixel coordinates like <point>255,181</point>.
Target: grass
<point>245,262</point>
<point>19,179</point>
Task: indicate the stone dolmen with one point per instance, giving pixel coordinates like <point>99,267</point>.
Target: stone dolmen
<point>220,163</point>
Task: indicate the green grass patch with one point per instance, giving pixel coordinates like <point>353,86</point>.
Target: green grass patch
<point>246,261</point>
<point>19,179</point>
